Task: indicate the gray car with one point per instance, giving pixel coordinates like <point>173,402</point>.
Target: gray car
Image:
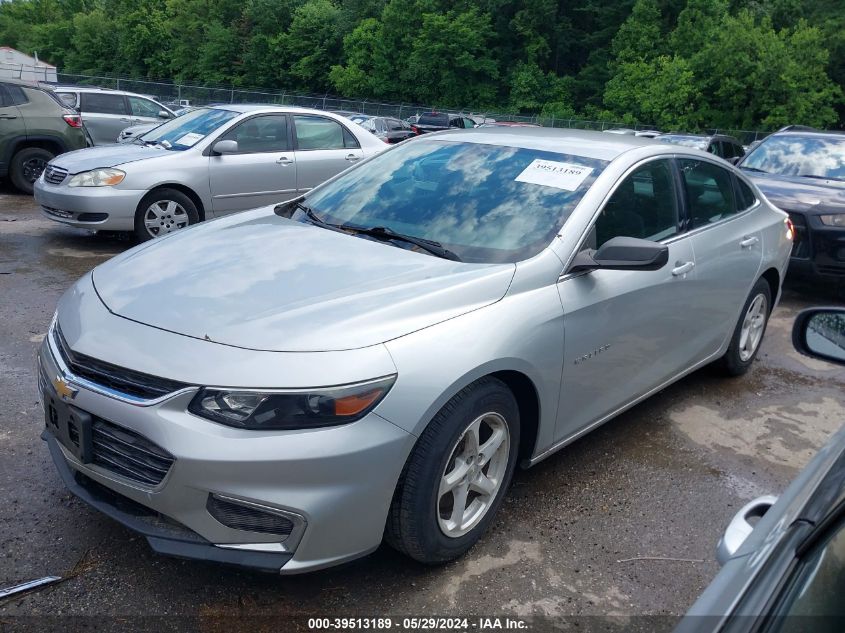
<point>201,165</point>
<point>784,558</point>
<point>283,387</point>
<point>106,112</point>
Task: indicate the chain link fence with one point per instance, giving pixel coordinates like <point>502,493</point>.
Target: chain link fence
<point>176,92</point>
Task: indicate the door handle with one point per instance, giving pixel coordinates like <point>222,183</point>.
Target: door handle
<point>682,268</point>
<point>8,116</point>
<point>284,160</point>
<point>749,241</point>
<point>352,158</point>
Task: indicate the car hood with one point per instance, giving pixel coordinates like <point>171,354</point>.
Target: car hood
<point>105,156</point>
<point>259,281</point>
<point>793,193</point>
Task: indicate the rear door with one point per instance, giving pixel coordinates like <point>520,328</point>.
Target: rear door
<point>105,115</point>
<point>727,239</point>
<point>11,123</point>
<point>324,147</point>
<point>263,171</point>
<point>626,332</point>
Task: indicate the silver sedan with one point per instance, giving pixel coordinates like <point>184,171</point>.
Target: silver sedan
<point>204,164</point>
<point>288,385</point>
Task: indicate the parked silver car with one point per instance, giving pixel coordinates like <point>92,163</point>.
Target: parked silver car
<point>201,165</point>
<point>106,112</point>
<point>132,132</point>
<point>285,386</point>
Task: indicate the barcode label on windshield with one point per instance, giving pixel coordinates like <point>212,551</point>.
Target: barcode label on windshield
<point>567,176</point>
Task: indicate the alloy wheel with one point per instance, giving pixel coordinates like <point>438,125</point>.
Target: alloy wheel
<point>752,327</point>
<point>32,169</point>
<point>165,216</point>
<point>473,474</point>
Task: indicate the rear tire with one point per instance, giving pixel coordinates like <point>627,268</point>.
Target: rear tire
<point>26,167</point>
<point>450,490</point>
<point>164,211</point>
<point>749,330</point>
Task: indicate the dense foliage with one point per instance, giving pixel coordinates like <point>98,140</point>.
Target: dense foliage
<point>672,63</point>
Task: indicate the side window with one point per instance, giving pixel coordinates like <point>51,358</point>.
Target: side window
<point>645,205</point>
<point>738,151</point>
<point>143,107</point>
<point>710,192</point>
<point>16,95</point>
<point>267,133</point>
<point>380,125</point>
<point>349,140</point>
<point>714,148</point>
<point>68,98</point>
<point>745,197</point>
<point>815,593</point>
<point>316,132</point>
<point>5,97</point>
<point>394,125</point>
<point>456,122</point>
<point>103,103</point>
<point>469,123</point>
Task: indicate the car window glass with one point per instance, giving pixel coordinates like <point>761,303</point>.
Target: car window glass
<point>16,95</point>
<point>816,590</point>
<point>715,148</point>
<point>368,124</point>
<point>260,134</point>
<point>395,125</point>
<point>68,98</point>
<point>455,122</point>
<point>103,103</point>
<point>189,129</point>
<point>349,140</point>
<point>144,107</point>
<point>380,126</point>
<point>644,205</point>
<point>709,190</point>
<point>745,196</point>
<point>820,156</point>
<point>316,132</point>
<point>469,123</point>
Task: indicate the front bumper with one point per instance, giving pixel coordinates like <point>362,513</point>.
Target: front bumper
<point>819,249</point>
<point>99,208</point>
<point>339,480</point>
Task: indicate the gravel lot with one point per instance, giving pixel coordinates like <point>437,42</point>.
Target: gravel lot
<point>659,481</point>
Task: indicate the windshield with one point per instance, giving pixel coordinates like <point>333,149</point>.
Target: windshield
<point>189,129</point>
<point>687,141</point>
<point>485,203</point>
<point>791,155</point>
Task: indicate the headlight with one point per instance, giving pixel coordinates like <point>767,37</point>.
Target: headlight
<point>833,219</point>
<point>97,178</point>
<point>293,409</point>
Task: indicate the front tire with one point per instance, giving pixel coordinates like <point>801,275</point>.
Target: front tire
<point>456,477</point>
<point>749,330</point>
<point>164,211</point>
<point>26,167</point>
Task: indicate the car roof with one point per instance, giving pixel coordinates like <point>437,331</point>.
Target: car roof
<point>807,133</point>
<point>557,140</point>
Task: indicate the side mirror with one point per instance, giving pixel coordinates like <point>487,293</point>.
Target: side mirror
<point>623,253</point>
<point>820,333</point>
<point>225,147</point>
<point>164,114</point>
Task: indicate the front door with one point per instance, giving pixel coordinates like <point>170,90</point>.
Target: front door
<point>626,332</point>
<point>324,148</point>
<point>263,171</point>
<point>728,245</point>
<point>11,122</point>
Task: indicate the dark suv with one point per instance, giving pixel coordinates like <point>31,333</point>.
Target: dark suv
<point>721,145</point>
<point>803,173</point>
<point>34,127</point>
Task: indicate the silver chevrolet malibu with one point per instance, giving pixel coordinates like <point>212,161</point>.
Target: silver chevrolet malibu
<point>201,165</point>
<point>283,387</point>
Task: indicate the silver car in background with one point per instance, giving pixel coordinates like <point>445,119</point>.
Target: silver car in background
<point>284,387</point>
<point>201,165</point>
<point>106,112</point>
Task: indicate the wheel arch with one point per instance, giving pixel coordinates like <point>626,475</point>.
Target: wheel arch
<point>195,198</point>
<point>772,277</point>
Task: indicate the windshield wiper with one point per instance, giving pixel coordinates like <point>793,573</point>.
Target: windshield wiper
<point>316,219</point>
<point>818,177</point>
<point>762,171</point>
<point>386,233</point>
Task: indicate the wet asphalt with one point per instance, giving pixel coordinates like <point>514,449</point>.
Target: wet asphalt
<point>586,532</point>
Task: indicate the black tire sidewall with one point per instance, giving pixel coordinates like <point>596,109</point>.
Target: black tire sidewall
<point>432,544</point>
<point>163,194</point>
<point>732,362</point>
<point>16,166</point>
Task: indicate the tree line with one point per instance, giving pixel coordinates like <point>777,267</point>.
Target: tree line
<point>676,64</point>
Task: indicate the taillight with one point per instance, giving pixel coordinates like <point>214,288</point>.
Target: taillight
<point>415,129</point>
<point>73,120</point>
<point>790,229</point>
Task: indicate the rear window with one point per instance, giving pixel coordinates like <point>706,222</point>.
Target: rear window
<point>430,118</point>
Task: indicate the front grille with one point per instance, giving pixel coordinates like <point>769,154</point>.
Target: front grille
<point>243,517</point>
<point>129,454</point>
<point>800,242</point>
<point>55,175</point>
<point>119,379</point>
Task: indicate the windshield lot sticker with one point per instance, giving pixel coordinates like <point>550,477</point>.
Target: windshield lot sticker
<point>567,176</point>
<point>190,139</point>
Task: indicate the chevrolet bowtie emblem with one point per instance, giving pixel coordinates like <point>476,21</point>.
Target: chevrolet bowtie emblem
<point>64,388</point>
